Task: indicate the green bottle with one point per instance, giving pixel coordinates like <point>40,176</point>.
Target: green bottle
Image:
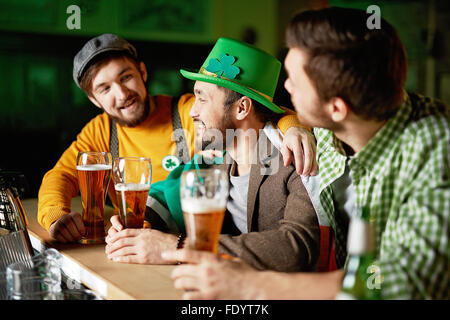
<point>362,279</point>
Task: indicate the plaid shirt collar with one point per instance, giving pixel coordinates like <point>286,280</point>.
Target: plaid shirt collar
<point>380,145</point>
<point>377,148</point>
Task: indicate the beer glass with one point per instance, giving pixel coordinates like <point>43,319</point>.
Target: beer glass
<point>94,172</point>
<point>204,195</point>
<point>132,179</point>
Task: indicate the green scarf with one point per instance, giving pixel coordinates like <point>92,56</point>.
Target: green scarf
<point>167,192</point>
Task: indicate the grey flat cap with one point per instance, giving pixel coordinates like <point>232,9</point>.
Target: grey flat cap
<point>95,46</point>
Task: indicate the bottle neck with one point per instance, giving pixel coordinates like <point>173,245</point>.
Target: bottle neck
<point>360,237</point>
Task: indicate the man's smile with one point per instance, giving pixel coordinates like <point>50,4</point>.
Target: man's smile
<point>129,105</point>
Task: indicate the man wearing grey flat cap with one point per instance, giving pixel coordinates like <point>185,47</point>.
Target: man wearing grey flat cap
<point>134,123</point>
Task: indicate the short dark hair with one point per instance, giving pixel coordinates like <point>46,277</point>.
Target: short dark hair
<point>365,67</point>
<point>263,113</point>
<point>95,65</point>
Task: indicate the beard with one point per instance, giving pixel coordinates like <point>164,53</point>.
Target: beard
<point>214,138</point>
<point>315,115</point>
<point>141,113</point>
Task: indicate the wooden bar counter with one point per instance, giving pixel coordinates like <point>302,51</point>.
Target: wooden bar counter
<point>89,265</point>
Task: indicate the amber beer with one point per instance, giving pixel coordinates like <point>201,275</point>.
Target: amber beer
<point>203,219</point>
<point>132,199</point>
<point>93,180</point>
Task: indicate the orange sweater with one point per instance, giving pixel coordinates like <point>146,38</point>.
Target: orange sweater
<point>152,139</point>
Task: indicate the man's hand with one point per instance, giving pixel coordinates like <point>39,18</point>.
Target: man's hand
<point>207,276</point>
<point>116,225</point>
<point>299,145</point>
<point>68,228</point>
<point>143,246</point>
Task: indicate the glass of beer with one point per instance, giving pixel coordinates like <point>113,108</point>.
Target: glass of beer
<point>204,195</point>
<point>94,172</point>
<point>132,179</point>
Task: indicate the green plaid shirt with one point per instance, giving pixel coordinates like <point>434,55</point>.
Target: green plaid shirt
<point>402,175</point>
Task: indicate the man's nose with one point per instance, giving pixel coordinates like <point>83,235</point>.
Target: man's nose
<point>193,112</point>
<point>286,85</point>
<point>122,92</point>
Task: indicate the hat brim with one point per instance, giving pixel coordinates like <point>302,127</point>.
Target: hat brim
<point>232,86</point>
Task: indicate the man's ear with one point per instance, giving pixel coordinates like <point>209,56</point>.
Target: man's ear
<point>243,107</point>
<point>338,109</point>
<point>94,101</point>
<point>143,71</point>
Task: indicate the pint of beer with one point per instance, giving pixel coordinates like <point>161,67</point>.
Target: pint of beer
<point>132,179</point>
<point>94,172</point>
<point>132,200</point>
<point>204,195</point>
<point>203,220</point>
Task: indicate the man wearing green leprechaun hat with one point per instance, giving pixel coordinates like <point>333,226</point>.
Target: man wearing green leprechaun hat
<point>270,221</point>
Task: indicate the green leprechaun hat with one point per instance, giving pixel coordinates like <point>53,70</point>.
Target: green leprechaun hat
<point>242,68</point>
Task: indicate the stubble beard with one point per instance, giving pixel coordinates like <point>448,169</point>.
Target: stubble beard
<point>318,119</point>
<point>140,116</point>
<point>211,140</point>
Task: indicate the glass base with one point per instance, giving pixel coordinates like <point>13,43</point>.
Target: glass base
<point>91,241</point>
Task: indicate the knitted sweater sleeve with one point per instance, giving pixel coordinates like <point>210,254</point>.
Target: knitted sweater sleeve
<point>60,184</point>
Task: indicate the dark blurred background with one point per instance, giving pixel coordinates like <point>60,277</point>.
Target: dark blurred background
<point>42,110</point>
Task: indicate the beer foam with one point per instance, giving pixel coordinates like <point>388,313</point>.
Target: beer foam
<point>202,205</point>
<point>94,167</point>
<point>132,187</point>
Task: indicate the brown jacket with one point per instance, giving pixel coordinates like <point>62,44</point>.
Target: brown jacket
<point>283,230</point>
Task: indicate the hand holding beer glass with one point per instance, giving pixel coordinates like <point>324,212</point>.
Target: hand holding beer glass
<point>132,179</point>
<point>204,195</point>
<point>94,172</point>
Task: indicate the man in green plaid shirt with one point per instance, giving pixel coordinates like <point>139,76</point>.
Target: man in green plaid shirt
<point>402,175</point>
<point>377,147</point>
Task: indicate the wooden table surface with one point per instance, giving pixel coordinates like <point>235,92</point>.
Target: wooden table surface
<point>88,264</point>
